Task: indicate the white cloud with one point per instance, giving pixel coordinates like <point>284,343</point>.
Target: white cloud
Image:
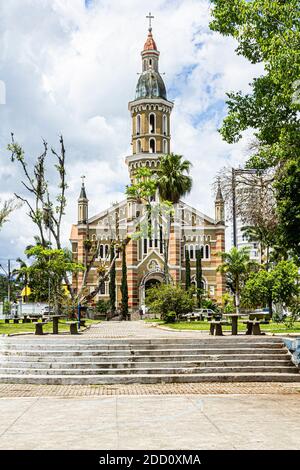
<point>72,70</point>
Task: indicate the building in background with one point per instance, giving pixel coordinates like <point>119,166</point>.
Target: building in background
<point>150,113</point>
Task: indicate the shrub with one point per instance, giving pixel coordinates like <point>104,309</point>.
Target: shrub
<point>208,303</point>
<point>170,317</point>
<point>166,298</point>
<point>103,306</point>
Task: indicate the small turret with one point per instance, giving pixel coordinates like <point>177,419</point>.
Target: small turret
<point>83,205</point>
<point>219,206</point>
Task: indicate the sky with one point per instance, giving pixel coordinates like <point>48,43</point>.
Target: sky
<point>70,67</point>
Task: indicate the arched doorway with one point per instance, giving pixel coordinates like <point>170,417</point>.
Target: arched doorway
<point>151,283</point>
<point>152,278</point>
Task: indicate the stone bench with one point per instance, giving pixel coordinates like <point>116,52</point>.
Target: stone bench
<point>73,327</point>
<point>253,327</point>
<point>216,327</point>
<point>39,327</point>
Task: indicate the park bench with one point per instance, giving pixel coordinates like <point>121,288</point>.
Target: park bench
<point>6,320</point>
<point>253,327</point>
<point>73,327</point>
<point>216,327</point>
<point>16,320</point>
<point>39,327</point>
<point>25,319</point>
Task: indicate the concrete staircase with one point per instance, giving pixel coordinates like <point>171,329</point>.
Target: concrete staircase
<point>161,360</point>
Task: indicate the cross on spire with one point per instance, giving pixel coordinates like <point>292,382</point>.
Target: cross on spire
<point>150,17</point>
<point>82,179</point>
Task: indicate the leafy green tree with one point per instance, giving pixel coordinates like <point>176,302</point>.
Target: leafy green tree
<point>187,270</point>
<point>47,273</point>
<point>276,285</point>
<point>268,32</point>
<point>112,279</point>
<point>166,298</point>
<point>15,288</point>
<point>124,286</point>
<point>199,278</point>
<point>257,291</point>
<point>288,204</point>
<point>236,266</point>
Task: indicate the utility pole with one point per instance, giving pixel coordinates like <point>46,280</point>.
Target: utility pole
<point>8,281</point>
<point>233,183</point>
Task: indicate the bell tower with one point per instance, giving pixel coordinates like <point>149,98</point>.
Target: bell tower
<point>83,204</point>
<point>150,111</point>
<point>219,206</point>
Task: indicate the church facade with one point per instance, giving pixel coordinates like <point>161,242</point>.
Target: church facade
<point>189,229</point>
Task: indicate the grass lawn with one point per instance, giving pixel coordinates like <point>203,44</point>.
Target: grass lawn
<point>204,326</point>
<point>153,320</point>
<point>11,328</point>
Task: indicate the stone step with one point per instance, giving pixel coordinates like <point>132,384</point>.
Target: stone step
<point>139,346</point>
<point>146,371</point>
<point>49,339</point>
<point>142,352</point>
<point>39,359</point>
<point>148,378</point>
<point>109,361</point>
<point>132,363</point>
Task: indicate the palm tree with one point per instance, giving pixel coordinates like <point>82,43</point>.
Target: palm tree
<point>236,265</point>
<point>173,181</point>
<point>263,236</point>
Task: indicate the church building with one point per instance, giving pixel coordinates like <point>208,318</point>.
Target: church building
<point>150,113</point>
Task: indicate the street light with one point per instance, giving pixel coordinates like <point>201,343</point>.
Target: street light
<point>237,171</point>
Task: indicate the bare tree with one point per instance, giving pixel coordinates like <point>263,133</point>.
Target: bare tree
<point>255,203</point>
<point>6,208</point>
<point>45,211</point>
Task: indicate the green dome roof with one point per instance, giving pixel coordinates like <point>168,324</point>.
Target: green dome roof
<point>150,85</point>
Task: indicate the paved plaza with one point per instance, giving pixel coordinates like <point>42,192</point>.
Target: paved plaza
<point>152,422</point>
<point>136,329</point>
<point>148,416</point>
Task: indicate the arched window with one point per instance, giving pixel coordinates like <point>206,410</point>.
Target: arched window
<point>106,251</point>
<point>150,62</point>
<point>138,124</point>
<point>165,125</point>
<point>138,146</point>
<point>101,252</point>
<point>152,146</point>
<point>207,252</point>
<point>191,252</point>
<point>152,123</point>
<point>165,146</point>
<point>145,65</point>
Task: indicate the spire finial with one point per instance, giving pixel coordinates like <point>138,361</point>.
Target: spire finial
<point>219,195</point>
<point>82,179</point>
<point>150,17</point>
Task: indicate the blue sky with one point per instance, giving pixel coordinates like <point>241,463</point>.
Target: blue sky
<point>71,69</point>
